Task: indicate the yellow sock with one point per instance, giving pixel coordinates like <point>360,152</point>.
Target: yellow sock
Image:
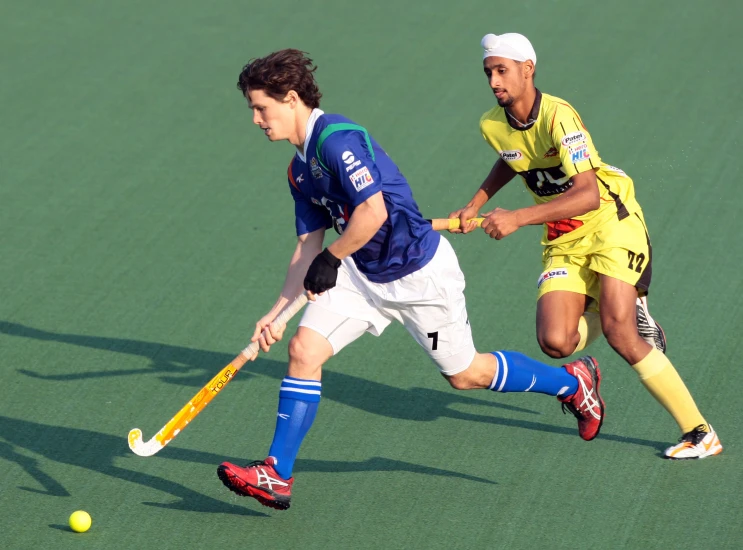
<point>589,328</point>
<point>663,382</point>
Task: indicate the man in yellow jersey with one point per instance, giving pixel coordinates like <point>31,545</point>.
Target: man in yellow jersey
<point>597,248</point>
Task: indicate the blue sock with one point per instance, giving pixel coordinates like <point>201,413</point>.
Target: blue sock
<point>298,402</point>
<point>518,373</point>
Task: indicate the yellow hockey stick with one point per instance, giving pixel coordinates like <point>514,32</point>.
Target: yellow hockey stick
<point>206,394</point>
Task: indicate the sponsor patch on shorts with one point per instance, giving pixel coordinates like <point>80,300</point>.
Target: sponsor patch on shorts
<point>511,155</point>
<point>559,272</point>
<point>573,139</point>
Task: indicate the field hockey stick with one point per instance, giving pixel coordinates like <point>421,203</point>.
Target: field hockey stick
<point>445,224</point>
<point>205,394</point>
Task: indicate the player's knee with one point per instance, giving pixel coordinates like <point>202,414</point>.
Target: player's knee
<point>461,381</point>
<point>556,345</point>
<point>478,375</point>
<point>304,359</point>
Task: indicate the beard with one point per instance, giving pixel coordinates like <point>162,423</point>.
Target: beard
<point>507,102</point>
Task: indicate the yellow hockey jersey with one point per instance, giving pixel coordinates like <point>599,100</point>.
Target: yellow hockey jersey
<point>548,152</point>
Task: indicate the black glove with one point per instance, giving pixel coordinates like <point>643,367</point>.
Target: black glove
<point>323,272</point>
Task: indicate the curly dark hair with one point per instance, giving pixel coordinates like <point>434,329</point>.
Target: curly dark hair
<point>279,72</point>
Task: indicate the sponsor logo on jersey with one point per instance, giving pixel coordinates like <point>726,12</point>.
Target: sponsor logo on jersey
<point>560,272</point>
<point>350,160</point>
<point>545,182</point>
<point>315,169</point>
<point>300,178</point>
<point>552,152</point>
<point>361,178</point>
<point>573,139</point>
<point>579,152</point>
<point>511,155</point>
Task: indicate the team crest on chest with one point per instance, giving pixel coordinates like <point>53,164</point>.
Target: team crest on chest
<point>315,169</point>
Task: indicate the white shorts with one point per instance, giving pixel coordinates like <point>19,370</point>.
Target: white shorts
<point>429,303</point>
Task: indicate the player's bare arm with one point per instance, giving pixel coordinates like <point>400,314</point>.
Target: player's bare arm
<point>308,247</point>
<point>500,174</point>
<point>581,198</point>
<point>363,224</point>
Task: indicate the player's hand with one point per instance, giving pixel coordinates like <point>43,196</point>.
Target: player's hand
<point>266,333</point>
<point>322,273</point>
<point>500,223</point>
<point>464,214</point>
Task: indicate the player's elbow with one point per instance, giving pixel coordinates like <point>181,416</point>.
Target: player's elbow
<point>373,210</point>
<point>591,200</point>
<point>594,202</point>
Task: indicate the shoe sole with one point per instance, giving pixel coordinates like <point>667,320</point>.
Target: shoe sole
<point>276,501</point>
<point>593,366</point>
<point>711,452</point>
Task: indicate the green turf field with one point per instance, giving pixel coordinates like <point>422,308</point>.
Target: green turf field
<point>145,226</point>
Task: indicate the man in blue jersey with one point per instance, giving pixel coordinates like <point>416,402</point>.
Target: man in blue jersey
<point>388,264</point>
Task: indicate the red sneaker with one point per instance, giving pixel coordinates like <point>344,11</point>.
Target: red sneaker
<point>586,403</point>
<point>259,480</point>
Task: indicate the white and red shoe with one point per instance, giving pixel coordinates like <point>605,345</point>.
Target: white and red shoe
<point>259,480</point>
<point>586,403</point>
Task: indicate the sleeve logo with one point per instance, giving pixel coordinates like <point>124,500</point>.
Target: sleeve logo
<point>511,155</point>
<point>579,152</point>
<point>361,178</point>
<point>573,139</point>
<point>350,161</point>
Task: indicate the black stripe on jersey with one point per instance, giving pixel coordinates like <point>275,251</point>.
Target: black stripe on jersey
<point>647,274</point>
<point>591,163</point>
<point>621,208</point>
<point>576,124</point>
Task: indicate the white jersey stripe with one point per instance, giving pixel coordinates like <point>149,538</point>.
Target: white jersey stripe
<point>505,370</point>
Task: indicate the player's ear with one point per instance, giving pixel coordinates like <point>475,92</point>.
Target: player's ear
<point>528,68</point>
<point>292,98</point>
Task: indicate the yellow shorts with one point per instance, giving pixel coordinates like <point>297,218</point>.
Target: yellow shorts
<point>620,249</point>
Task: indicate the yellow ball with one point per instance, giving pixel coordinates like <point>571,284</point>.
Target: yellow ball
<point>80,521</point>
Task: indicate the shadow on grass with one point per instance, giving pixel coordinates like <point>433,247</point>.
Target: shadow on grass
<point>192,367</point>
<point>99,452</point>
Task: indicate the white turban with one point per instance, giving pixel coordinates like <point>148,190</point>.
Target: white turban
<point>511,46</point>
